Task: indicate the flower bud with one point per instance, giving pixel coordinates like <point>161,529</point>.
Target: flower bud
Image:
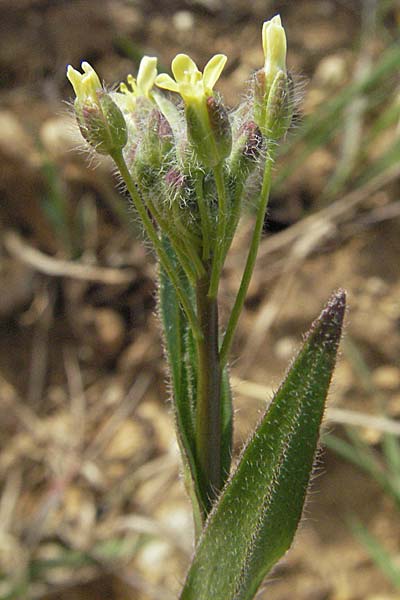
<point>175,179</point>
<point>274,47</point>
<point>101,122</point>
<point>220,127</point>
<point>209,131</point>
<point>158,139</point>
<point>246,150</point>
<point>273,112</point>
<point>272,85</point>
<point>178,190</point>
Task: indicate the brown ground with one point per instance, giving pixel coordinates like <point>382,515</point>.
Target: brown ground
<point>89,464</point>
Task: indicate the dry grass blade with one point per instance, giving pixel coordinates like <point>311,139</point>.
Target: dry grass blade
<point>9,498</point>
<point>129,404</point>
<point>300,250</point>
<point>56,267</point>
<point>25,416</point>
<point>334,214</point>
<point>334,415</point>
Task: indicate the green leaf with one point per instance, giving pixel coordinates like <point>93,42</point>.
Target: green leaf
<point>178,347</point>
<point>226,425</point>
<point>254,521</point>
<point>174,327</point>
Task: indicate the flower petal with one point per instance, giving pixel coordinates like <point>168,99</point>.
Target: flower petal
<point>165,81</point>
<point>213,70</point>
<point>266,25</point>
<point>85,85</point>
<point>75,79</point>
<point>183,67</point>
<point>147,74</point>
<point>265,28</point>
<point>274,44</point>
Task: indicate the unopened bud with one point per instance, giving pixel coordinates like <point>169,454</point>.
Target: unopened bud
<point>246,150</point>
<point>220,127</point>
<point>101,122</point>
<point>164,133</point>
<point>272,84</point>
<point>158,139</point>
<point>174,179</point>
<point>176,185</point>
<point>209,132</point>
<point>274,47</point>
<point>253,141</point>
<point>274,113</point>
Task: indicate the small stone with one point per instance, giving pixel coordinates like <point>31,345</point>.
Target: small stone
<point>393,407</point>
<point>151,558</point>
<point>285,347</point>
<point>161,423</point>
<point>386,377</point>
<point>332,70</point>
<point>183,20</point>
<point>127,441</point>
<point>110,329</point>
<point>376,286</point>
<point>382,597</point>
<point>15,143</point>
<point>60,136</point>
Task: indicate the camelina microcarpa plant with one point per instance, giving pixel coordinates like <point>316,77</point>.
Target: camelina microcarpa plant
<point>187,166</point>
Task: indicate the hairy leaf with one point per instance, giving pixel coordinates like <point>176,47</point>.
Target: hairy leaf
<point>254,521</point>
<point>178,345</point>
<point>226,425</point>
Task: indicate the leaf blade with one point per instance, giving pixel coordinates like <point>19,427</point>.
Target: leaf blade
<point>254,522</point>
<point>178,342</point>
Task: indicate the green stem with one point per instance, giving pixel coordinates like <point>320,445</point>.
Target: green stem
<point>218,258</point>
<point>187,255</point>
<point>204,216</point>
<point>233,220</point>
<point>153,236</point>
<point>182,229</point>
<point>248,270</point>
<point>208,407</point>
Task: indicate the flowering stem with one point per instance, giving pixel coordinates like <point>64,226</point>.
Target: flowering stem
<point>248,270</point>
<point>219,245</point>
<point>187,255</point>
<point>181,229</point>
<point>153,236</point>
<point>208,407</point>
<point>204,216</point>
<point>234,219</point>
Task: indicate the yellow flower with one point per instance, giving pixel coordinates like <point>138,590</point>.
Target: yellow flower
<point>207,121</point>
<point>86,85</point>
<point>142,85</point>
<point>274,46</point>
<point>189,82</point>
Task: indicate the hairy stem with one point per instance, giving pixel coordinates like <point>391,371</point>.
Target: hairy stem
<point>233,219</point>
<point>218,258</point>
<point>186,253</point>
<point>251,260</point>
<point>208,409</point>
<point>204,216</point>
<point>153,236</point>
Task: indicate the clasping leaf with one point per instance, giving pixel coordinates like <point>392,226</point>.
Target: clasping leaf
<point>255,519</point>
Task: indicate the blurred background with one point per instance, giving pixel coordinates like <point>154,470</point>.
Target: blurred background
<point>91,503</point>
